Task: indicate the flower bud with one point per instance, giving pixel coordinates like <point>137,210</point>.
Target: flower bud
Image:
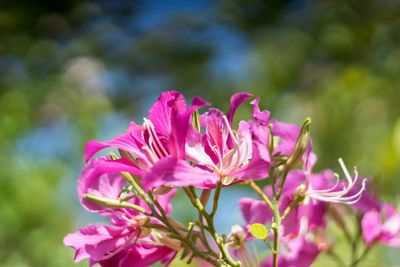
<point>301,143</point>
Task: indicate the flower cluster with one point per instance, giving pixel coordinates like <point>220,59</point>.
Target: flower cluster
<point>177,148</point>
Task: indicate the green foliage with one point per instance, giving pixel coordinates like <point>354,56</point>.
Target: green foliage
<point>258,230</point>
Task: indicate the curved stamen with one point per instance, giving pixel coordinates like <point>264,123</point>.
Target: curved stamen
<point>151,153</point>
<point>328,195</point>
<point>329,189</point>
<point>153,141</point>
<point>228,126</point>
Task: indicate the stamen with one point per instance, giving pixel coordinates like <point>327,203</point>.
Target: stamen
<point>214,148</point>
<point>328,195</point>
<point>158,145</point>
<point>228,126</point>
<point>329,189</point>
<point>151,153</point>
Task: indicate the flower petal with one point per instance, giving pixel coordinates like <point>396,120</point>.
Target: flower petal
<point>255,211</point>
<point>140,255</point>
<point>131,141</point>
<point>261,117</point>
<point>180,123</point>
<point>173,172</point>
<point>94,241</point>
<point>101,177</point>
<point>160,112</point>
<point>235,101</point>
<point>371,226</point>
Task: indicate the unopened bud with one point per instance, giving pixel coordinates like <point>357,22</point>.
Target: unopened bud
<point>301,143</point>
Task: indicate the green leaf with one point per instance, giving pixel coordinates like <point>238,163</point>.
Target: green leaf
<point>259,231</point>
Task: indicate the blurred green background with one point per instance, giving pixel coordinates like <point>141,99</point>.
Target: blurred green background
<point>71,71</point>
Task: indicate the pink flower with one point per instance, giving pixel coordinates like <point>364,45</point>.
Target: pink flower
<point>298,252</point>
<point>101,177</point>
<point>304,217</point>
<point>160,136</point>
<point>127,242</point>
<point>117,246</point>
<point>127,237</point>
<point>382,227</point>
<point>156,150</point>
<point>299,230</point>
<point>229,154</point>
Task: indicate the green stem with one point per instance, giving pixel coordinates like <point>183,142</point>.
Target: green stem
<point>338,219</point>
<point>296,201</point>
<point>277,220</point>
<point>362,257</point>
<point>357,238</point>
<point>275,228</point>
<point>225,256</point>
<point>216,198</point>
<point>282,181</point>
<point>336,257</point>
<point>261,194</point>
<point>204,237</point>
<point>178,235</point>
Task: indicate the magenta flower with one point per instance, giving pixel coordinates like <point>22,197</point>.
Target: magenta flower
<point>156,150</point>
<point>304,217</point>
<point>298,252</point>
<point>101,177</point>
<point>160,136</point>
<point>382,227</point>
<point>127,237</point>
<point>176,147</point>
<point>229,154</point>
<point>300,230</point>
<point>117,246</point>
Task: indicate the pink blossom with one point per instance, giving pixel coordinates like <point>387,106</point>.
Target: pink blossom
<point>128,236</point>
<point>304,217</point>
<point>298,252</point>
<point>101,177</point>
<point>117,246</point>
<point>127,240</point>
<point>160,136</point>
<point>382,227</point>
<point>156,149</point>
<point>229,154</point>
